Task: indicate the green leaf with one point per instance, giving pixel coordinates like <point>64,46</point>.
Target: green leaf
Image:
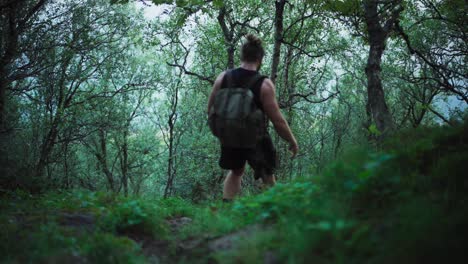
<point>218,3</point>
<point>181,3</point>
<point>343,7</point>
<point>374,130</point>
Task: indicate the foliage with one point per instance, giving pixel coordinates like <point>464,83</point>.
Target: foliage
<point>368,207</point>
<point>103,112</point>
<point>35,227</point>
<point>116,101</point>
<point>404,202</point>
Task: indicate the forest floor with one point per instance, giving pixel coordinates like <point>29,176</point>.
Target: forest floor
<point>406,202</point>
<point>170,248</point>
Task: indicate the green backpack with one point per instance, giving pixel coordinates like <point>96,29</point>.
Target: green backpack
<point>234,118</point>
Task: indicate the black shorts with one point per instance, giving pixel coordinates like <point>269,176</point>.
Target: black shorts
<point>262,159</point>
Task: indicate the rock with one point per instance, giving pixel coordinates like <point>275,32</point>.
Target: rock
<point>230,241</point>
<point>178,222</point>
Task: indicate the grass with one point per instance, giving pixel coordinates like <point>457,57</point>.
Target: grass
<point>403,203</point>
<point>32,230</point>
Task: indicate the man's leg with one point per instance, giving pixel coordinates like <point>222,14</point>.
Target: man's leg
<point>232,184</point>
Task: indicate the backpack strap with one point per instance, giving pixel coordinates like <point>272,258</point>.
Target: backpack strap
<point>229,84</point>
<point>229,77</point>
<point>254,80</point>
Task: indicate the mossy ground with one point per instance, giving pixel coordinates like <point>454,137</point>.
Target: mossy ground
<point>403,203</point>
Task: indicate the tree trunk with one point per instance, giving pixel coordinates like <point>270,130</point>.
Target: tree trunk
<point>47,146</point>
<point>170,160</point>
<point>381,116</point>
<point>102,158</point>
<point>320,157</point>
<point>171,169</point>
<point>3,86</point>
<point>289,87</point>
<point>279,10</point>
<point>228,37</point>
<point>7,55</point>
<point>375,95</point>
<point>278,36</point>
<point>66,166</point>
<point>124,161</point>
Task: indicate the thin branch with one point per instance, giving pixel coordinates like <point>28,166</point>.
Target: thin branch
<point>437,68</point>
<point>439,115</point>
<point>321,100</point>
<point>201,77</point>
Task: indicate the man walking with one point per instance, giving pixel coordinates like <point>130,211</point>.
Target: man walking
<point>262,158</point>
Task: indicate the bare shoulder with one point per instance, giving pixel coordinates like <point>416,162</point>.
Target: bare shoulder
<point>220,77</point>
<point>267,88</point>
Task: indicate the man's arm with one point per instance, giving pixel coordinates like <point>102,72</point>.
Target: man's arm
<point>271,108</point>
<point>216,87</point>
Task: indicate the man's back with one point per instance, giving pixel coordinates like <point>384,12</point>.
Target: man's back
<point>235,116</point>
<point>262,157</point>
<point>241,77</point>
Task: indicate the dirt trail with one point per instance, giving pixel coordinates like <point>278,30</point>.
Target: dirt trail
<point>198,249</point>
<point>192,250</point>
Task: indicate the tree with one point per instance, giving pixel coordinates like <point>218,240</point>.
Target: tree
<point>16,20</point>
<point>444,50</point>
<point>377,14</point>
<point>375,21</point>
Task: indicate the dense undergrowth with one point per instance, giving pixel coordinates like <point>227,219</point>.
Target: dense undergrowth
<point>403,203</point>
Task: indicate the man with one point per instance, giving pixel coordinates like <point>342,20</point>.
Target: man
<point>262,159</point>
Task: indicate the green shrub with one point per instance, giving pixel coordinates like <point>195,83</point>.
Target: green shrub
<point>106,248</point>
<point>135,216</point>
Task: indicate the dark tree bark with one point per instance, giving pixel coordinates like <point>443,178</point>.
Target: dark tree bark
<point>10,44</point>
<point>378,35</point>
<point>279,10</point>
<point>124,161</point>
<point>101,156</point>
<point>170,161</point>
<point>46,147</point>
<point>171,143</point>
<point>99,150</point>
<point>278,38</point>
<point>228,37</point>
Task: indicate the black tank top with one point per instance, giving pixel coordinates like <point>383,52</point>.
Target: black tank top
<point>241,78</point>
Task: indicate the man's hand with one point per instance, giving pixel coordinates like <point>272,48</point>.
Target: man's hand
<point>294,148</point>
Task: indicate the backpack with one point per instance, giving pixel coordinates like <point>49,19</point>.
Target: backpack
<point>234,118</point>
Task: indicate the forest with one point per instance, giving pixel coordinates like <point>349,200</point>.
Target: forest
<point>106,155</point>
